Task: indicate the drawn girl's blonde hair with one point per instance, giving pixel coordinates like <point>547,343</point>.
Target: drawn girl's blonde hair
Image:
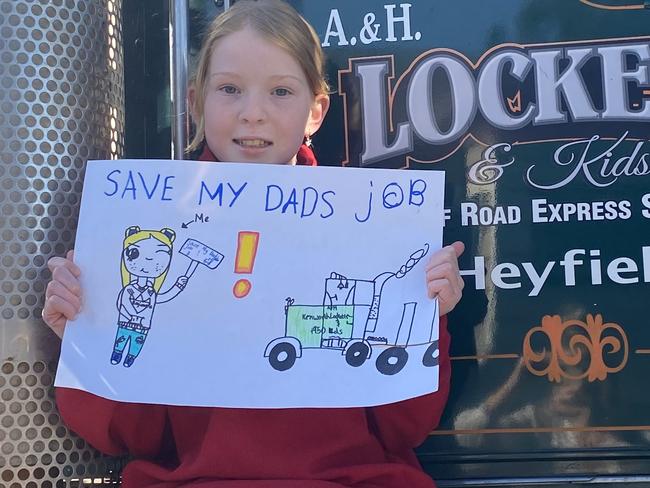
<point>133,235</point>
<point>276,21</point>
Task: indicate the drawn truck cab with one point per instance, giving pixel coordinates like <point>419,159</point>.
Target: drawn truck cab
<point>354,320</point>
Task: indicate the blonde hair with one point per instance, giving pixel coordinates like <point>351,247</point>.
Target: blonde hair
<point>274,20</point>
<point>133,235</point>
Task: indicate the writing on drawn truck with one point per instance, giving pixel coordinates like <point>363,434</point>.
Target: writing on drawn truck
<point>352,320</point>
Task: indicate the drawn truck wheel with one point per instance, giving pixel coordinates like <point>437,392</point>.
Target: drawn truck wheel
<point>357,354</point>
<point>392,360</point>
<point>431,355</point>
<point>282,356</point>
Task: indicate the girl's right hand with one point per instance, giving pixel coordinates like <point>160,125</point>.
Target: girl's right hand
<point>63,293</point>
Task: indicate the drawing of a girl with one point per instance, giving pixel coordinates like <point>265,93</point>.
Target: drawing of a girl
<point>146,256</point>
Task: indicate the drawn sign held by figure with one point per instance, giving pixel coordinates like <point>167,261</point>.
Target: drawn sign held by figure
<point>208,322</point>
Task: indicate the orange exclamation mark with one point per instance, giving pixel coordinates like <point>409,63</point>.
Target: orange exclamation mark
<point>245,260</point>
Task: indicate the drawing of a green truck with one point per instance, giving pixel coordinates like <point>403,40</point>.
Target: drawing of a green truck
<point>352,320</point>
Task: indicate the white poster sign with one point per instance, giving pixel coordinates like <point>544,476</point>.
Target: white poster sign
<point>260,286</point>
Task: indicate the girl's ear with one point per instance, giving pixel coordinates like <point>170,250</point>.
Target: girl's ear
<point>171,235</point>
<point>317,114</point>
<point>134,229</point>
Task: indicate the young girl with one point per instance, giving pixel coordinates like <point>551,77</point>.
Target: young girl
<point>259,93</point>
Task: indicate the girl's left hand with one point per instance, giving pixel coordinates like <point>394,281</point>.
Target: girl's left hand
<point>443,277</point>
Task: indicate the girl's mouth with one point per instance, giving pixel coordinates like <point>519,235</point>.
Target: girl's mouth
<point>252,143</point>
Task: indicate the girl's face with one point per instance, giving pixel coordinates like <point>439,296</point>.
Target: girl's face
<point>258,104</point>
<point>147,258</point>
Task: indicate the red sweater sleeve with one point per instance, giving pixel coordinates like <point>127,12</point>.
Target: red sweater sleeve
<point>402,426</point>
<point>113,427</point>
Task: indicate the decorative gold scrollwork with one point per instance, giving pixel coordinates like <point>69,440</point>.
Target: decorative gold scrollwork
<point>577,349</point>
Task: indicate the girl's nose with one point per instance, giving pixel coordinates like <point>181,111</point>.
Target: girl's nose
<point>252,110</point>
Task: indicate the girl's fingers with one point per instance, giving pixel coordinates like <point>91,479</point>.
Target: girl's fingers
<point>56,313</point>
<point>63,293</point>
<point>65,277</point>
<point>459,248</point>
<point>54,319</point>
<point>448,254</point>
<point>57,325</point>
<point>55,288</point>
<point>442,270</point>
<point>447,294</point>
<point>444,255</point>
<point>56,306</point>
<point>58,262</point>
<point>445,288</point>
<point>443,277</point>
<point>446,271</point>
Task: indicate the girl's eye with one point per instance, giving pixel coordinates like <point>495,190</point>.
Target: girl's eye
<point>166,251</point>
<point>281,92</point>
<point>132,253</point>
<point>229,89</point>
